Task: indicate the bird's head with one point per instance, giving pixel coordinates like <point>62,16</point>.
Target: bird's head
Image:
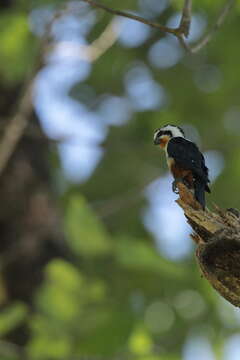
<point>166,133</point>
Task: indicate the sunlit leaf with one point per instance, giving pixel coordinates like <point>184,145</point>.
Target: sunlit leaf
<point>140,342</point>
<point>63,282</point>
<point>46,347</point>
<point>17,46</point>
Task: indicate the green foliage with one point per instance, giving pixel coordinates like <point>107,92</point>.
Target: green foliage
<point>63,303</point>
<point>86,234</point>
<point>116,293</point>
<point>17,46</point>
<point>140,342</point>
<point>141,256</point>
<point>12,317</point>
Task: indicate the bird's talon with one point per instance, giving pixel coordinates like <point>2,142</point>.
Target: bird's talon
<point>174,187</point>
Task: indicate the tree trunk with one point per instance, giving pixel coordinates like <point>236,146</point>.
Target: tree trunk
<point>29,220</point>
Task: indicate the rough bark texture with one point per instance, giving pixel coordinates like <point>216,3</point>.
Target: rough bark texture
<point>217,235</point>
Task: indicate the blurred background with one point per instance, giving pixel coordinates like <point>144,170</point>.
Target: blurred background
<point>96,261</point>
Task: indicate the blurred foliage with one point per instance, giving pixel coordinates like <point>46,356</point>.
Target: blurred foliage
<point>16,43</point>
<point>11,317</point>
<point>90,238</point>
<point>118,295</point>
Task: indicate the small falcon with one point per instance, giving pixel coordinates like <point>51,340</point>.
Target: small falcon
<point>185,161</point>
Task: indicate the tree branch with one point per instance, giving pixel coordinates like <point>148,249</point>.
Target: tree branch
<point>217,235</point>
<point>219,21</point>
<point>182,30</point>
<point>132,17</point>
<point>15,128</point>
<point>186,18</point>
<point>17,124</point>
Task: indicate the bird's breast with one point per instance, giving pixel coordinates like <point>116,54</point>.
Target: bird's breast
<point>164,141</point>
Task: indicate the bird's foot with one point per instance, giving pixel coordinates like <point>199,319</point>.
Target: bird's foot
<point>175,183</point>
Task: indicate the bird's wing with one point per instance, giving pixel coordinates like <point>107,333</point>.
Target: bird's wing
<point>187,155</point>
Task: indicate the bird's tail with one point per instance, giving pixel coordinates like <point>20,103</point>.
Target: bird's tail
<point>199,192</point>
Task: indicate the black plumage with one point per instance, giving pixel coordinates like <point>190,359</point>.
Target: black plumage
<point>187,156</point>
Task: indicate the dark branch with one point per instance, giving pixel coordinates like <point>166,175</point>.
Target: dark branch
<point>184,26</point>
<point>132,17</point>
<point>185,22</point>
<point>184,44</point>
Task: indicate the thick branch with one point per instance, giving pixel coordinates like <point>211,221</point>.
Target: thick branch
<point>217,235</point>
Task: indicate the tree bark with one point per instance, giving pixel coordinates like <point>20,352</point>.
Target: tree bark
<point>217,235</point>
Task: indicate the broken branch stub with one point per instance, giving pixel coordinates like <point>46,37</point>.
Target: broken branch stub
<point>217,235</point>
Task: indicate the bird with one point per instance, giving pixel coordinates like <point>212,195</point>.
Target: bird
<point>185,161</point>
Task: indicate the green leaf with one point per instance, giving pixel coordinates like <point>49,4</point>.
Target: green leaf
<point>86,234</point>
<point>63,282</point>
<point>63,274</point>
<point>140,342</point>
<point>46,347</point>
<point>11,317</point>
<point>16,46</point>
